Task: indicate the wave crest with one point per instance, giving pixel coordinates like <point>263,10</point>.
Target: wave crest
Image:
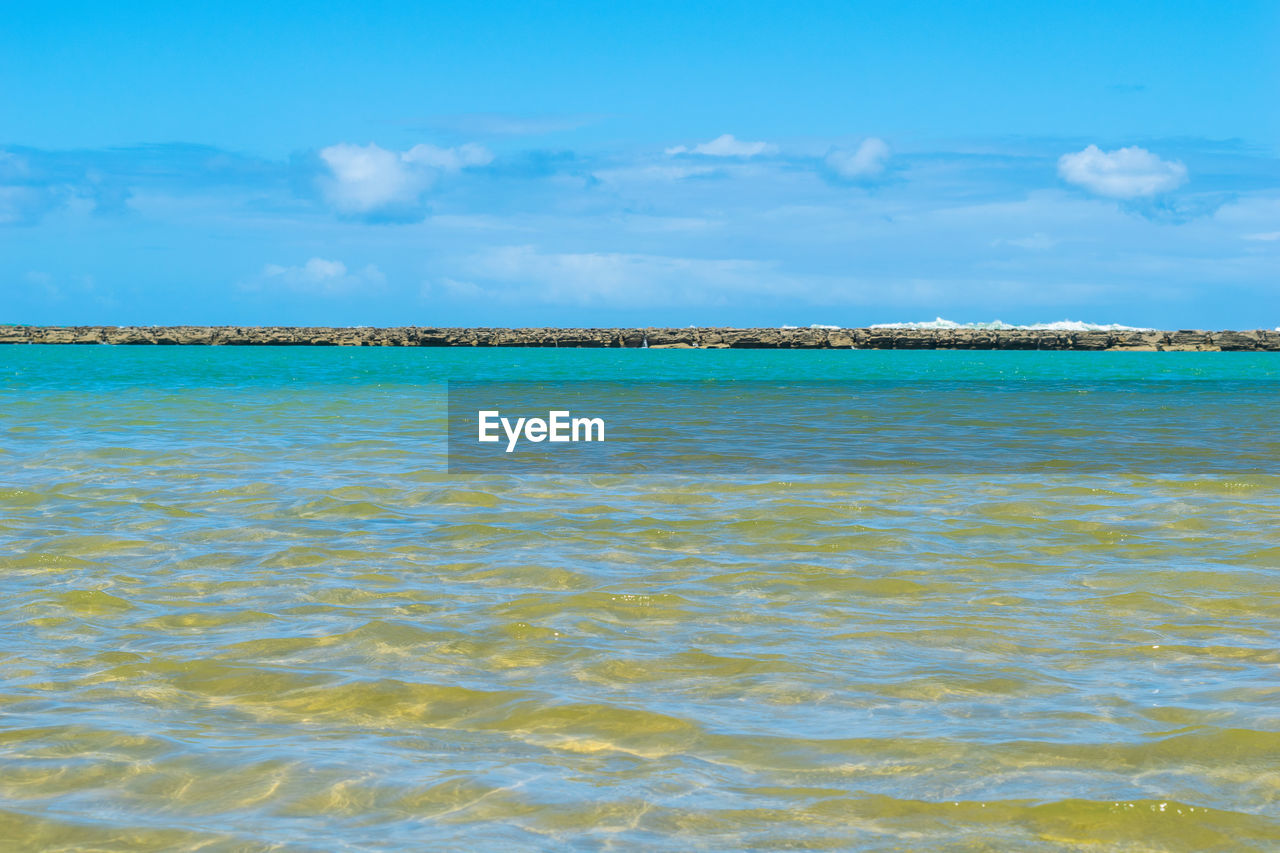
<point>1056,326</point>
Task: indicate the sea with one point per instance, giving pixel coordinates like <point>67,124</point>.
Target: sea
<point>252,601</point>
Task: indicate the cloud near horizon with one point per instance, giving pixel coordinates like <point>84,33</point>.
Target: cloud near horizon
<point>633,235</point>
<point>530,274</point>
<point>365,179</point>
<point>868,160</point>
<point>1126,173</point>
<point>726,145</point>
<point>25,205</point>
<point>31,190</point>
<point>321,276</point>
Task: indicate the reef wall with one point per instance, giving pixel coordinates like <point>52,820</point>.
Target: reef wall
<point>710,338</point>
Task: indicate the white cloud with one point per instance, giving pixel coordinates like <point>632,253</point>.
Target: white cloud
<point>452,288</point>
<point>521,275</point>
<point>323,276</point>
<point>368,178</point>
<point>1266,236</point>
<point>726,145</point>
<point>525,274</point>
<point>866,161</point>
<point>448,159</point>
<point>1125,173</point>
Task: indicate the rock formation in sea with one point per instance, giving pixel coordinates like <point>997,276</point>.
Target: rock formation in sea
<point>656,338</point>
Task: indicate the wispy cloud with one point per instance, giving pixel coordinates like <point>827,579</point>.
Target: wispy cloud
<point>12,166</point>
<point>27,205</point>
<point>528,274</point>
<point>319,276</point>
<point>1126,173</point>
<point>1265,236</point>
<point>651,172</point>
<point>30,191</point>
<point>448,159</point>
<point>35,183</point>
<point>726,145</point>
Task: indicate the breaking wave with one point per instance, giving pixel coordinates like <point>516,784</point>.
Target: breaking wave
<point>1056,326</point>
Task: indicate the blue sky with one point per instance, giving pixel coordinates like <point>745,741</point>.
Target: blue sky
<point>640,164</point>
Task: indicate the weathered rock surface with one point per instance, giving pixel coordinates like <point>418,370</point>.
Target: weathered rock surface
<point>707,338</point>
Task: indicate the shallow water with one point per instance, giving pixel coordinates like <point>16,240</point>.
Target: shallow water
<point>246,608</point>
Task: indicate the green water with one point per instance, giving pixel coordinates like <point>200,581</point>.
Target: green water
<point>246,609</point>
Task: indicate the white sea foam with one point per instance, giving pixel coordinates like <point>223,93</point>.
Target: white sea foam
<point>816,326</point>
<point>1056,326</point>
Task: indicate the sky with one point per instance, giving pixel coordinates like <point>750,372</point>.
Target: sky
<point>606,164</point>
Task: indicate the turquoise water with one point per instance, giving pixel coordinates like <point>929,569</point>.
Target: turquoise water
<point>247,608</point>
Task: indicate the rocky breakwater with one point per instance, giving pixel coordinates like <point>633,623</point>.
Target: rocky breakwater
<point>690,338</point>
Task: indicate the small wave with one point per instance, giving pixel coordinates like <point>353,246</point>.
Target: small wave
<point>1056,326</point>
<point>816,326</point>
